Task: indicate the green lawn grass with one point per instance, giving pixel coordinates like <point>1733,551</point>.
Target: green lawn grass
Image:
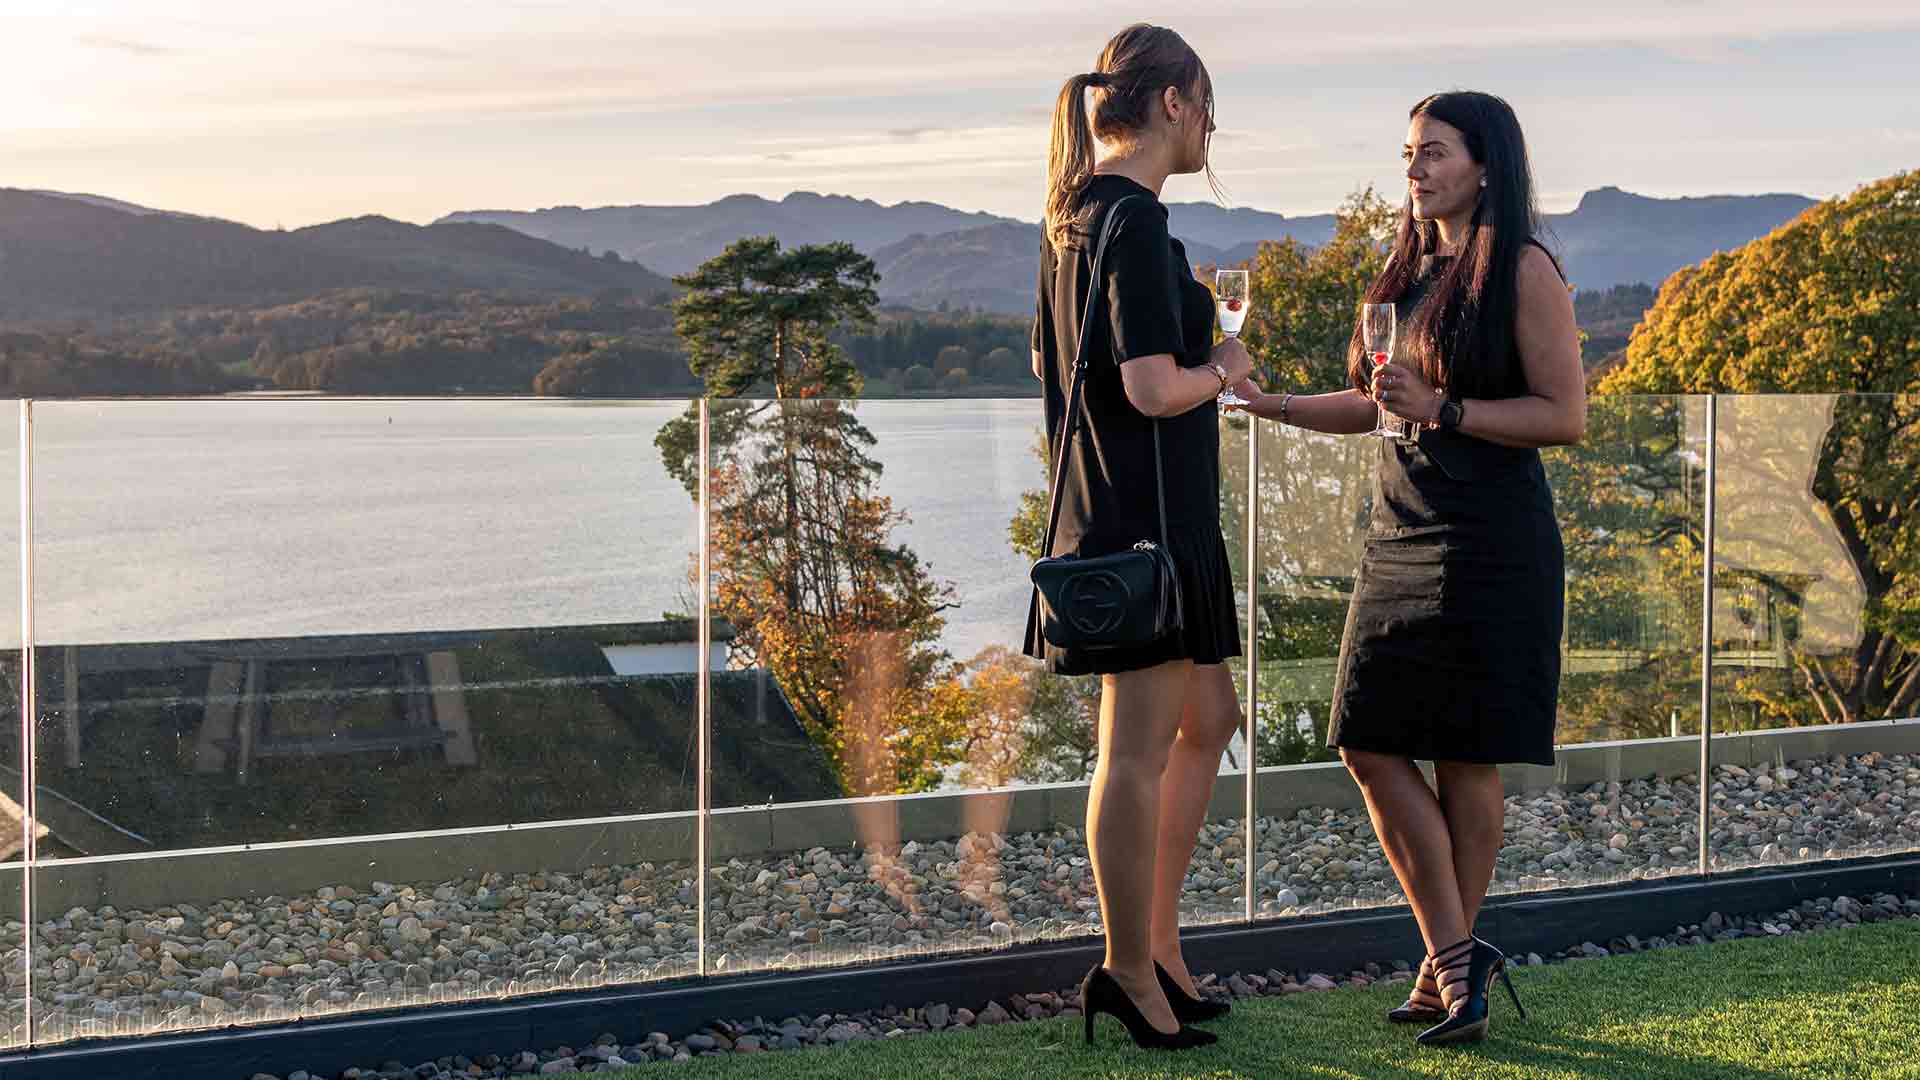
<point>1839,1003</point>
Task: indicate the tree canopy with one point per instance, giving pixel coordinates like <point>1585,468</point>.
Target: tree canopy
<point>757,315</point>
<point>1828,303</point>
<point>1305,298</point>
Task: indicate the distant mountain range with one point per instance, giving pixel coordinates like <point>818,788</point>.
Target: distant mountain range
<point>929,255</point>
<point>675,239</point>
<point>86,256</point>
<point>65,256</point>
<point>1615,237</point>
<point>111,204</point>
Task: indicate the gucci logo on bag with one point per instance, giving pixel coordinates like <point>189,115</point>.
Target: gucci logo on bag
<point>1096,601</point>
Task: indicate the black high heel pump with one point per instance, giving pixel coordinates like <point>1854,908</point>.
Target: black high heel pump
<point>1468,1020</point>
<point>1188,1010</point>
<point>1102,993</point>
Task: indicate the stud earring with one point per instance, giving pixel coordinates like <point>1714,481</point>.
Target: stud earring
<point>1483,181</point>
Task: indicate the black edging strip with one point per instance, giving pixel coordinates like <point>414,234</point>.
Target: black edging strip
<point>1528,922</point>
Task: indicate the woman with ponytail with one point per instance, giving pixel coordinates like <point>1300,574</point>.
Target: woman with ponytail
<point>1144,461</point>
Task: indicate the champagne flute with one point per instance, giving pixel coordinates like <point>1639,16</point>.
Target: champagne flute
<point>1376,338</point>
<point>1230,302</point>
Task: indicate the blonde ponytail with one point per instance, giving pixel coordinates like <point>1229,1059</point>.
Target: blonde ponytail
<point>1069,158</point>
<point>1134,68</point>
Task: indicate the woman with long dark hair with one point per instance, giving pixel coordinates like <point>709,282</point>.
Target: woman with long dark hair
<point>1452,644</point>
<point>1167,709</point>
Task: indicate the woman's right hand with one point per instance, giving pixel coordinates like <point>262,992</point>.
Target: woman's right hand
<point>1233,356</point>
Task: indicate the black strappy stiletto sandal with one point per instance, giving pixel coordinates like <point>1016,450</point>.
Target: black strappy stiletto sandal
<point>1416,1010</point>
<point>1469,1018</point>
<point>1102,993</point>
<point>1188,1010</point>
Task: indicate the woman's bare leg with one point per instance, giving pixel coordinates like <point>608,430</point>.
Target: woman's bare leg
<point>1140,713</point>
<point>1413,831</point>
<point>1211,716</point>
<point>1475,805</point>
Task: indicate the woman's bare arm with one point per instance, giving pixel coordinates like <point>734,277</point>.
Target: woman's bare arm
<point>1553,411</point>
<point>1343,412</point>
<point>1159,387</point>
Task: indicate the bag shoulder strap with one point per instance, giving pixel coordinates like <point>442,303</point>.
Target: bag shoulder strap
<point>1075,396</point>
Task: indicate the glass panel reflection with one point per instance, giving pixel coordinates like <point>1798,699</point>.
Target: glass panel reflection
<point>1631,500</point>
<point>1620,801</point>
<point>860,556</point>
<point>360,638</point>
<point>157,747</point>
<point>1216,883</point>
<point>1816,628</point>
<point>872,562</point>
<point>13,824</point>
<point>13,953</point>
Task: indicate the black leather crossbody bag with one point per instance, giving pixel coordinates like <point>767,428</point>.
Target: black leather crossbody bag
<point>1123,600</point>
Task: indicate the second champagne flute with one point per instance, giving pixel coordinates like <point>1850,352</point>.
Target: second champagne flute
<point>1376,338</point>
<point>1230,302</point>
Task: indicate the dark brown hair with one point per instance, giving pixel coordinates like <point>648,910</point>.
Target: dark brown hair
<point>1461,337</point>
<point>1139,63</point>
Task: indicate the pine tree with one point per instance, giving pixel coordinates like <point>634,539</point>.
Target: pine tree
<point>755,315</point>
<point>847,621</point>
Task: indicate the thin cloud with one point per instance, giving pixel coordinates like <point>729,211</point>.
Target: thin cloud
<point>126,45</point>
<point>577,66</point>
<point>895,102</point>
<point>1703,50</point>
<point>414,52</point>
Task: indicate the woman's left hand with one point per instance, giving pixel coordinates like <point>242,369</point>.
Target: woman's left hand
<point>1405,393</point>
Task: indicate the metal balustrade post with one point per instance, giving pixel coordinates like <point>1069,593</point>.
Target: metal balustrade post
<point>703,797</point>
<point>1706,629</point>
<point>1252,653</point>
<point>29,704</point>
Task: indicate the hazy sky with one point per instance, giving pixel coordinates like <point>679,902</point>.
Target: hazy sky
<point>269,112</point>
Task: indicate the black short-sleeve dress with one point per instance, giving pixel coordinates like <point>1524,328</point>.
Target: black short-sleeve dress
<point>1152,305</point>
<point>1452,643</point>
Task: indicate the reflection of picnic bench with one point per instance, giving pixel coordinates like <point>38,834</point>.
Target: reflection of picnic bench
<point>13,828</point>
<point>321,701</point>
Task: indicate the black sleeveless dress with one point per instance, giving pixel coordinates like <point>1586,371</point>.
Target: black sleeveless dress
<point>1452,643</point>
<point>1152,305</point>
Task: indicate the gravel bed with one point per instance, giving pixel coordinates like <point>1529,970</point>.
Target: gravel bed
<point>112,971</point>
